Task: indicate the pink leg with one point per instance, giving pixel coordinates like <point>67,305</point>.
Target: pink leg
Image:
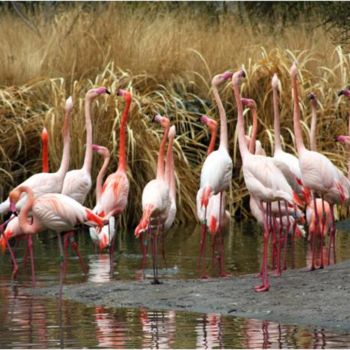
<point>155,255</point>
<point>313,244</point>
<point>323,222</point>
<point>13,259</point>
<point>66,236</point>
<point>61,259</point>
<point>162,238</point>
<point>202,248</point>
<point>285,239</point>
<point>30,246</point>
<point>332,237</point>
<point>74,246</point>
<point>223,273</point>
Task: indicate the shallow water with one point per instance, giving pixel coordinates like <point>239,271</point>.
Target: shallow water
<point>35,322</point>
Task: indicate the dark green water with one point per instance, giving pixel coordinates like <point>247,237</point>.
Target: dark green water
<point>34,322</point>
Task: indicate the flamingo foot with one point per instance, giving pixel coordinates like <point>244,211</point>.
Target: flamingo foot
<point>262,288</point>
<point>225,274</point>
<point>204,277</point>
<point>277,273</point>
<point>312,268</point>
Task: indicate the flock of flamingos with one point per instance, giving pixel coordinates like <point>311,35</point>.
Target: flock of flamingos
<point>281,188</point>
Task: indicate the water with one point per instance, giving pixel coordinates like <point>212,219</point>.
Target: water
<point>36,322</point>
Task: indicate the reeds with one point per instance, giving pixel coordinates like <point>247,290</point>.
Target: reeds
<point>167,58</point>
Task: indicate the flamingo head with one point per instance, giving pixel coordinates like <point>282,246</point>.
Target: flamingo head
<point>248,102</point>
<point>69,105</point>
<point>345,92</point>
<point>345,139</point>
<point>163,121</point>
<point>14,198</point>
<point>209,122</point>
<point>93,93</point>
<point>237,77</point>
<point>275,82</point>
<point>220,78</point>
<point>125,94</point>
<point>312,97</point>
<point>44,136</point>
<point>103,151</point>
<point>293,70</point>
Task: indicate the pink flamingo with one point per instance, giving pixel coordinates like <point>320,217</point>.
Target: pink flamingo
<point>215,182</point>
<point>113,196</point>
<point>45,151</point>
<point>50,211</point>
<point>77,182</point>
<point>319,174</point>
<point>263,179</point>
<point>156,200</point>
<point>214,206</point>
<point>47,182</point>
<point>103,238</point>
<point>279,214</point>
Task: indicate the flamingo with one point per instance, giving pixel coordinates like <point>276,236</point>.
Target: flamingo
<point>319,174</point>
<point>77,183</point>
<point>50,211</point>
<point>103,238</point>
<point>262,178</point>
<point>279,214</point>
<point>217,168</point>
<point>156,201</point>
<point>113,196</point>
<point>214,206</point>
<point>42,183</point>
<point>45,150</point>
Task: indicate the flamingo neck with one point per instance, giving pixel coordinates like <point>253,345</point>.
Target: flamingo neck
<point>213,132</point>
<point>169,168</point>
<point>100,176</point>
<point>45,156</point>
<point>254,131</point>
<point>122,137</point>
<point>276,121</point>
<point>240,123</point>
<point>160,164</point>
<point>296,118</point>
<point>223,121</point>
<point>66,145</point>
<point>313,146</point>
<point>26,226</point>
<point>88,126</point>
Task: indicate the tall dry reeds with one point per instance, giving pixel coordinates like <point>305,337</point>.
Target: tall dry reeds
<point>167,58</point>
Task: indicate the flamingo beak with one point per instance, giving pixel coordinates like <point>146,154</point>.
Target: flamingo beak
<point>108,92</point>
<point>13,208</point>
<point>341,92</point>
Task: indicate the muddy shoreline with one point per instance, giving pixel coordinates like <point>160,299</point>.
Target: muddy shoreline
<point>319,298</point>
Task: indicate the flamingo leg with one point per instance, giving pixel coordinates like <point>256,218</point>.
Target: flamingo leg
<point>65,250</point>
<point>61,260</point>
<point>202,247</point>
<point>155,255</point>
<point>25,258</point>
<point>75,248</point>
<point>286,238</point>
<point>267,227</point>
<point>13,259</point>
<point>332,237</point>
<point>314,234</point>
<point>280,240</point>
<point>322,231</point>
<point>30,246</point>
<point>223,273</point>
<point>162,238</point>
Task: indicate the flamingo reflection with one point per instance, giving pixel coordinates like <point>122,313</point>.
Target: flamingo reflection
<point>99,268</point>
<point>209,331</point>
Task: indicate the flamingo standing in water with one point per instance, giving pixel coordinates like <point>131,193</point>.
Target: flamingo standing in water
<point>45,151</point>
<point>217,168</point>
<point>263,179</point>
<point>113,196</point>
<point>156,201</point>
<point>77,183</point>
<point>106,235</point>
<point>214,206</point>
<point>40,184</point>
<point>319,174</point>
<point>50,211</point>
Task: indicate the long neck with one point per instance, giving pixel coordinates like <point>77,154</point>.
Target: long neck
<point>88,127</point>
<point>45,156</point>
<point>23,218</point>
<point>240,123</point>
<point>66,145</point>
<point>169,168</point>
<point>313,146</point>
<point>100,176</point>
<point>223,121</point>
<point>254,131</point>
<point>276,121</point>
<point>160,164</point>
<point>213,132</point>
<point>122,137</point>
<point>296,117</point>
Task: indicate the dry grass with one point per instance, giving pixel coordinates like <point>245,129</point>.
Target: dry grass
<point>167,58</point>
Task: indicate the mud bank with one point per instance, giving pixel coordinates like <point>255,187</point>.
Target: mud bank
<point>319,298</point>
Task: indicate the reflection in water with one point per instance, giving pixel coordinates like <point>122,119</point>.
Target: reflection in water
<point>27,321</point>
